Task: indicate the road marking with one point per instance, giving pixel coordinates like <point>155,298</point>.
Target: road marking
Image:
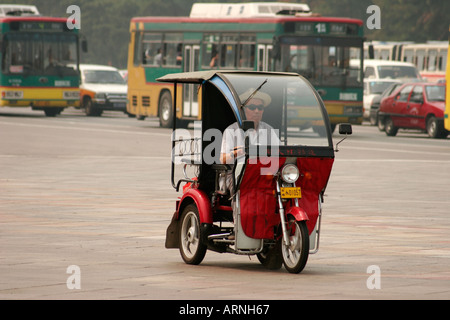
<point>165,134</point>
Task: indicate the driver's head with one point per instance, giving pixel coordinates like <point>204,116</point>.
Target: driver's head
<point>254,110</point>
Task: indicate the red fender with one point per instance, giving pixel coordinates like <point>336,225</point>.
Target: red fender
<point>202,202</point>
<point>298,213</point>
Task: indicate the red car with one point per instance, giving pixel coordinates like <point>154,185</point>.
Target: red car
<point>414,106</point>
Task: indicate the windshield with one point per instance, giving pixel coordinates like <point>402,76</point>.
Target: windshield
<point>323,62</point>
<point>398,72</point>
<point>435,93</point>
<point>103,76</point>
<point>293,109</point>
<point>39,54</point>
<point>377,87</point>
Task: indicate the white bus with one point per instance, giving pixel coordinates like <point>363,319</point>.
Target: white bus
<point>429,58</point>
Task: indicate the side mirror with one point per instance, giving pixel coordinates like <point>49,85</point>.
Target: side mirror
<point>344,128</point>
<point>84,46</point>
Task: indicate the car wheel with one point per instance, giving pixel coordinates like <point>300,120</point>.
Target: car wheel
<point>435,128</point>
<point>380,121</point>
<point>390,129</point>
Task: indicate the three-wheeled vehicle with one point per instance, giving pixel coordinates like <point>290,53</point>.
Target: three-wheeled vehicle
<point>271,203</point>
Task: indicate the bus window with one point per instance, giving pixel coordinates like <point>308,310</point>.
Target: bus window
<point>151,46</point>
<point>247,52</point>
<point>432,57</point>
<point>137,57</point>
<point>229,46</point>
<point>322,65</point>
<point>172,49</point>
<point>210,51</point>
<point>420,60</point>
<point>442,60</point>
<point>408,56</point>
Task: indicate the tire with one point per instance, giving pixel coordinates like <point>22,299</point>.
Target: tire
<point>89,108</point>
<point>380,121</point>
<point>434,129</point>
<point>296,254</point>
<point>373,119</point>
<point>390,129</point>
<point>270,257</point>
<point>192,250</point>
<point>165,110</point>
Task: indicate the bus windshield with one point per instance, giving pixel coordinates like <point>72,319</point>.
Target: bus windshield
<point>294,110</point>
<point>39,54</point>
<point>324,62</point>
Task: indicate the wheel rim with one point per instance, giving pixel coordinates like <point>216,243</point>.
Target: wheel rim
<point>292,253</point>
<point>165,110</point>
<point>190,235</point>
<point>432,127</point>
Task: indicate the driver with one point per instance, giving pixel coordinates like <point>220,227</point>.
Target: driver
<point>233,140</point>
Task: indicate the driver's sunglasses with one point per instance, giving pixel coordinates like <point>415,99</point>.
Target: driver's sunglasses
<point>254,106</point>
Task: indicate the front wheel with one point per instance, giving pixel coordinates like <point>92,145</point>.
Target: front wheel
<point>192,250</point>
<point>390,129</point>
<point>295,255</point>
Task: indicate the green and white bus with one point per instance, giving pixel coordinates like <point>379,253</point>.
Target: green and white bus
<point>39,58</point>
<point>249,36</point>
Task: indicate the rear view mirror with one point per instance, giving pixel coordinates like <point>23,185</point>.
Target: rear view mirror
<point>345,128</point>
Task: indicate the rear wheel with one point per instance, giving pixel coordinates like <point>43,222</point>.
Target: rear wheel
<point>192,250</point>
<point>295,255</point>
<point>165,110</point>
<point>435,128</point>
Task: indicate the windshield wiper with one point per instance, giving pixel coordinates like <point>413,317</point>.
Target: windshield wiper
<point>254,92</point>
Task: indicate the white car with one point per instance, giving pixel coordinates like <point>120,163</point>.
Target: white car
<point>373,88</point>
<point>102,88</point>
<point>380,74</point>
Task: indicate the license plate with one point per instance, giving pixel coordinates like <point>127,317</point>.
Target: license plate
<point>291,192</point>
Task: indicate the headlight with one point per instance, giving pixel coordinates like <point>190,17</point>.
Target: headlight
<point>290,173</point>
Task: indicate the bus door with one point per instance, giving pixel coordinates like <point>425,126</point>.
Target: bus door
<point>264,60</point>
<point>191,63</point>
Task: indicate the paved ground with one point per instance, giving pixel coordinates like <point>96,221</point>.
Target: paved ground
<point>94,193</point>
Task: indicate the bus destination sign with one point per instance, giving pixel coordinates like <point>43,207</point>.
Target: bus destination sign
<point>40,26</point>
<point>325,28</point>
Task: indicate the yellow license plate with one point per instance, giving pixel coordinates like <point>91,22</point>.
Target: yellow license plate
<point>291,192</point>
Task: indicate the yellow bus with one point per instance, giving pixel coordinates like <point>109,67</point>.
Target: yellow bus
<point>447,92</point>
<point>279,36</point>
<point>39,63</point>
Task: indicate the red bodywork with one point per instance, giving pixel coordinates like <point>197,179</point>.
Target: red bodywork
<point>258,201</point>
<point>406,112</point>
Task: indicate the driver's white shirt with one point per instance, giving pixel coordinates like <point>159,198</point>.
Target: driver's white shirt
<point>234,136</point>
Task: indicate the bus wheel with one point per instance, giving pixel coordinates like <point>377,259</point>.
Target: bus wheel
<point>165,110</point>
